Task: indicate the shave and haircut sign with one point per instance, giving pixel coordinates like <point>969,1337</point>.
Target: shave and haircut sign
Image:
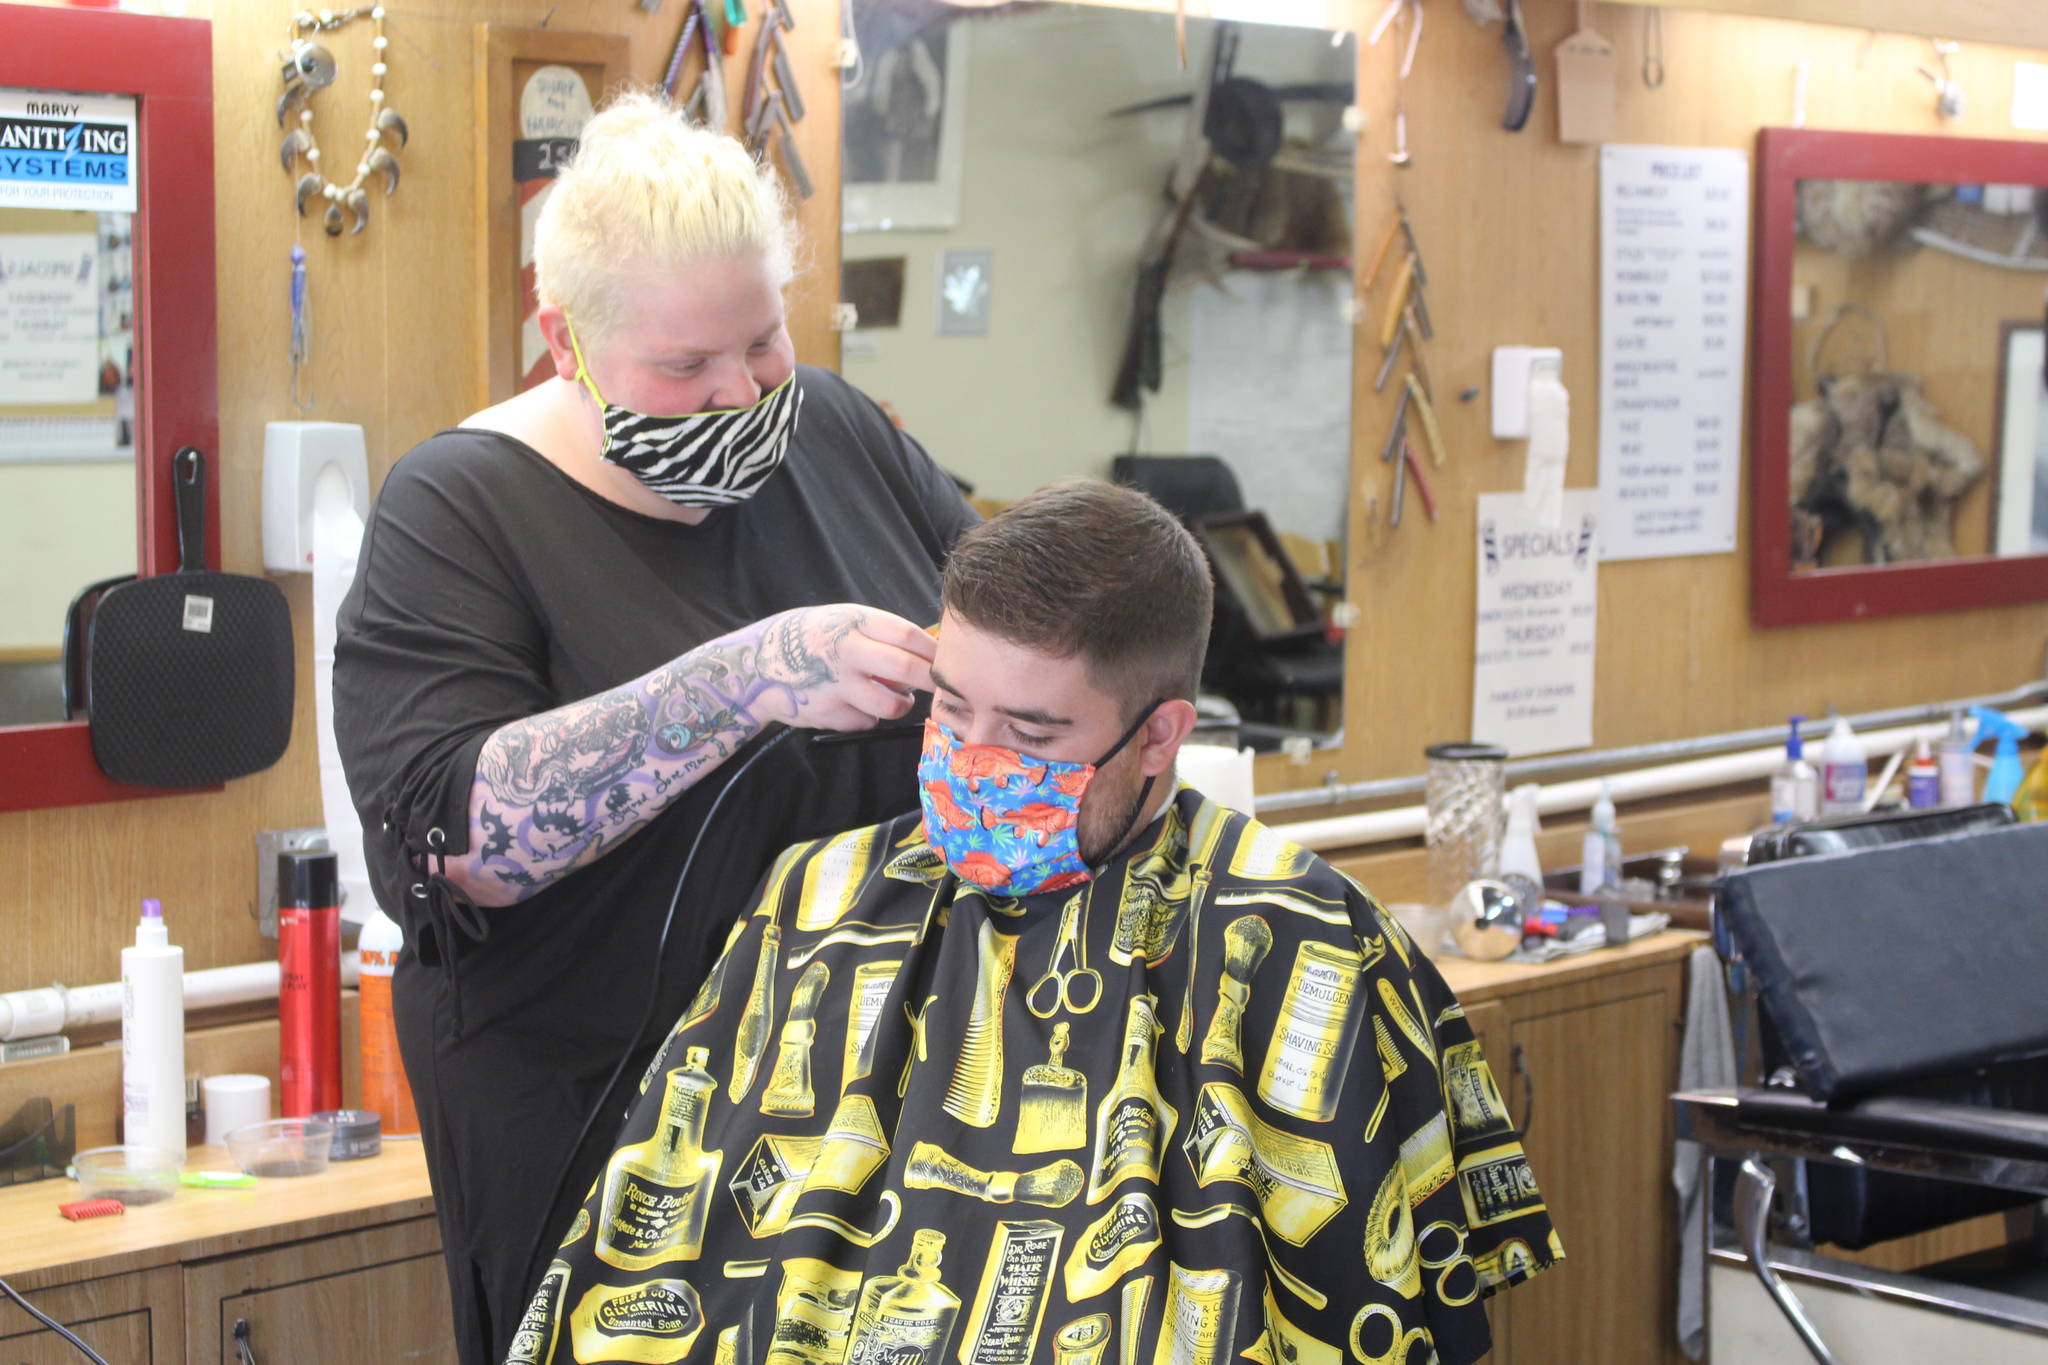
<point>65,151</point>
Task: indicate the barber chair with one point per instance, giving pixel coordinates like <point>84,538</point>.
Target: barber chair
<point>1267,672</point>
<point>1900,965</point>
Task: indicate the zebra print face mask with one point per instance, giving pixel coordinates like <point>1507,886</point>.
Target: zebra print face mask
<point>699,459</point>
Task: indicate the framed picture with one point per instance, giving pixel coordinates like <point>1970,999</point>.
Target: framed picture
<point>905,117</point>
<point>535,87</point>
<point>2019,502</point>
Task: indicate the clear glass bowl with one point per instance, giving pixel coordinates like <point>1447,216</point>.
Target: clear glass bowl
<point>133,1175</point>
<point>281,1147</point>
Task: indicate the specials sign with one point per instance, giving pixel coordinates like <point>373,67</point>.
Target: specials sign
<point>1532,668</point>
<point>64,151</point>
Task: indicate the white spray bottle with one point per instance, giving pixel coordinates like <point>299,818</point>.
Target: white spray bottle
<point>1600,850</point>
<point>153,1037</point>
<point>1519,866</point>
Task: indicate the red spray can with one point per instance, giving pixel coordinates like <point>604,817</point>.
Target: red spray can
<point>309,983</point>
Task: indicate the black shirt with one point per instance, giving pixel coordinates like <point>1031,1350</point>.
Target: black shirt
<point>492,587</point>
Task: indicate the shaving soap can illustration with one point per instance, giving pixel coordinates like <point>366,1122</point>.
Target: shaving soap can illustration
<point>1294,1178</point>
<point>871,984</point>
<point>814,1307</point>
<point>655,1323</point>
<point>976,1093</point>
<point>1009,1306</point>
<point>1246,941</point>
<point>1200,1323</point>
<point>906,1318</point>
<point>1264,855</point>
<point>778,1169</point>
<point>657,1192</point>
<point>1082,1341</point>
<point>1319,1020</point>
<point>789,1093</point>
<point>1112,1246</point>
<point>834,877</point>
<point>1134,1121</point>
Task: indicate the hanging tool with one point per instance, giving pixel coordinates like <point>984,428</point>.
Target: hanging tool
<point>773,116</point>
<point>1379,257</point>
<point>1653,47</point>
<point>1427,412</point>
<point>1521,70</point>
<point>1401,481</point>
<point>1420,362</point>
<point>1414,468</point>
<point>692,16</point>
<point>770,53</point>
<point>1397,299</point>
<point>1393,355</point>
<point>1948,94</point>
<point>1398,432</point>
<point>1418,299</point>
<point>1585,82</point>
<point>707,103</point>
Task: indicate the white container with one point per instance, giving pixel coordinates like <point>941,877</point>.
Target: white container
<point>233,1101</point>
<point>153,1037</point>
<point>1795,787</point>
<point>1600,850</point>
<point>1844,772</point>
<point>1958,764</point>
<point>1518,846</point>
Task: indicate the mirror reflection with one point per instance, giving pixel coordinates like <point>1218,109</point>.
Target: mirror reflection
<point>1917,428</point>
<point>1070,256</point>
<point>67,412</point>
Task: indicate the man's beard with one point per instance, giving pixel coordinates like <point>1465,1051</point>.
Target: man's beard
<point>1111,809</point>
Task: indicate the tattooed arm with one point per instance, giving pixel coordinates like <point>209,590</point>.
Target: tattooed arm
<point>561,789</point>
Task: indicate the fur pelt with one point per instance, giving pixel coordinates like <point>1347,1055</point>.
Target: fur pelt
<point>1872,454</point>
<point>1856,217</point>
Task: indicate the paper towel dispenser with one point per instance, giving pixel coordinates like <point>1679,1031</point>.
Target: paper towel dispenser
<point>308,466</point>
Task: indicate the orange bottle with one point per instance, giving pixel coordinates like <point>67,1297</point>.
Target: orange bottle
<point>384,1086</point>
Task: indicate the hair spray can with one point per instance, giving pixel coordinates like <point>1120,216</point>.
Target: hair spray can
<point>309,983</point>
<point>384,1086</point>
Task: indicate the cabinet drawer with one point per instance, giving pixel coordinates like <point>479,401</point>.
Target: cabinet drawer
<point>129,1319</point>
<point>377,1294</point>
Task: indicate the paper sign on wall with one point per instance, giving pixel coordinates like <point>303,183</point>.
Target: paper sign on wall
<point>49,317</point>
<point>64,151</point>
<point>1532,662</point>
<point>1674,254</point>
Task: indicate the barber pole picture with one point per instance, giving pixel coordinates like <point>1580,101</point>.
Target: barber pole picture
<point>554,104</point>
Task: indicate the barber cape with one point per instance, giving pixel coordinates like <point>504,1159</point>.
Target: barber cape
<point>1212,1104</point>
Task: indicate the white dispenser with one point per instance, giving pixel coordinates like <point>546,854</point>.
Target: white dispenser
<point>1600,850</point>
<point>1519,866</point>
<point>153,1036</point>
<point>1844,771</point>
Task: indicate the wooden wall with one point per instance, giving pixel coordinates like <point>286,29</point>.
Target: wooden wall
<point>1508,222</point>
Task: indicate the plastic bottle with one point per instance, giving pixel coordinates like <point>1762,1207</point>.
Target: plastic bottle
<point>309,983</point>
<point>1520,868</point>
<point>1600,851</point>
<point>1923,777</point>
<point>1795,787</point>
<point>2003,782</point>
<point>153,1036</point>
<point>385,1090</point>
<point>1958,764</point>
<point>1844,771</point>
<point>2032,801</point>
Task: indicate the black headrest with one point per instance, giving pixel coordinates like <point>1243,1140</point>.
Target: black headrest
<point>1881,965</point>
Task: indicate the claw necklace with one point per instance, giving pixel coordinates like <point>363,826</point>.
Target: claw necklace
<point>310,68</point>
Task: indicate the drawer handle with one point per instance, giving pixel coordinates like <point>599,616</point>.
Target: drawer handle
<point>241,1335</point>
<point>1520,1063</point>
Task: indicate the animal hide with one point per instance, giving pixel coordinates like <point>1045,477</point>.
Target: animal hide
<point>1856,217</point>
<point>1871,454</point>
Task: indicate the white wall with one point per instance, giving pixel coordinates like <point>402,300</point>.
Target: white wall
<point>1065,199</point>
<point>62,526</point>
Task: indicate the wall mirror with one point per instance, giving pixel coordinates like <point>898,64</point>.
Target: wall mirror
<point>1899,397</point>
<point>1005,179</point>
<point>106,343</point>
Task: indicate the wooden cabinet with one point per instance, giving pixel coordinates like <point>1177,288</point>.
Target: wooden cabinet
<point>378,1294</point>
<point>129,1319</point>
<point>1586,1057</point>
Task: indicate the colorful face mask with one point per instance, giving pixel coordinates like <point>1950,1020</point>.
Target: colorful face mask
<point>1008,823</point>
<point>699,459</point>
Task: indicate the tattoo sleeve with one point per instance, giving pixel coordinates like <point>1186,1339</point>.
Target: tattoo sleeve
<point>558,790</point>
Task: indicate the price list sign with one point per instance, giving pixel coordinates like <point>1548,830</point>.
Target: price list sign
<point>1674,254</point>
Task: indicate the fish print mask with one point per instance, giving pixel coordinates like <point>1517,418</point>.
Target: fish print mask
<point>1006,822</point>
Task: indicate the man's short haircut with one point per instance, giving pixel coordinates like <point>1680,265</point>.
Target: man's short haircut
<point>1095,570</point>
<point>646,193</point>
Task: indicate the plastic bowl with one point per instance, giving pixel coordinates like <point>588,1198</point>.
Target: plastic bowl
<point>133,1175</point>
<point>281,1147</point>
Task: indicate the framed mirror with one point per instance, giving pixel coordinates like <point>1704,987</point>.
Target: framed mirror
<point>1010,178</point>
<point>1898,389</point>
<point>106,344</point>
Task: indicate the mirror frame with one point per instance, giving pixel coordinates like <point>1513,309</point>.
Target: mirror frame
<point>167,64</point>
<point>1778,596</point>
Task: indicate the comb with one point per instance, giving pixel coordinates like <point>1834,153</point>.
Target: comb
<point>975,1095</point>
<point>91,1208</point>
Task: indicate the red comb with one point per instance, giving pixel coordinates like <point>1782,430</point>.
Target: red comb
<point>91,1208</point>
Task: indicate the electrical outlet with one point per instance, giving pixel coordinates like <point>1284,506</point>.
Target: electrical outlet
<point>270,843</point>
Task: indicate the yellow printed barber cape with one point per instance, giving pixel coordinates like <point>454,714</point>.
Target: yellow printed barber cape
<point>1210,1105</point>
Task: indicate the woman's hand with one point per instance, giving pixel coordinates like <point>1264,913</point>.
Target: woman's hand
<point>843,666</point>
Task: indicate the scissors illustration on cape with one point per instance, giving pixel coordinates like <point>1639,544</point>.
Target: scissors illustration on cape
<point>1057,989</point>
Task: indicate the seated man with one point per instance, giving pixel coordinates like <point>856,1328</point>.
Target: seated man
<point>1077,1066</point>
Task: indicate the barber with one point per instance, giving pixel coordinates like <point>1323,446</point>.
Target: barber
<point>570,614</point>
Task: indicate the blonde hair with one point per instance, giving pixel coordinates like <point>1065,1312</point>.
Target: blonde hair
<point>649,190</point>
